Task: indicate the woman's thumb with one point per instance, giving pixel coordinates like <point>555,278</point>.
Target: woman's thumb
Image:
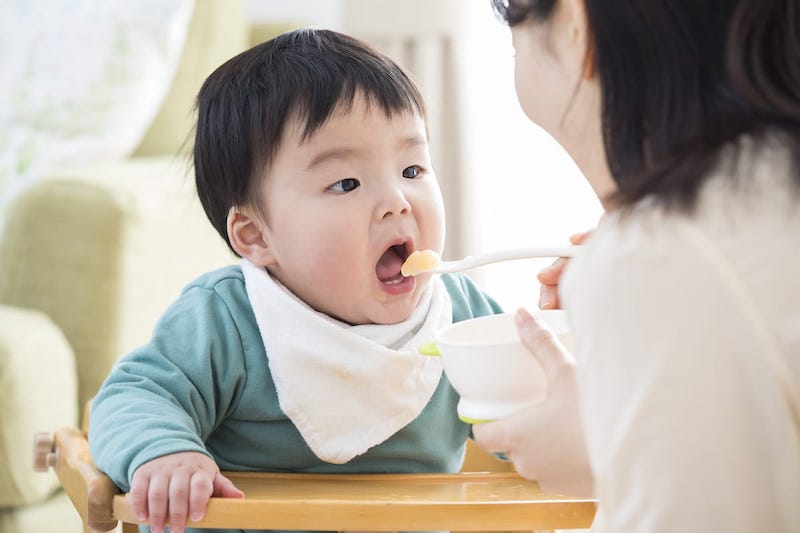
<point>542,343</point>
<point>224,488</point>
<point>491,436</point>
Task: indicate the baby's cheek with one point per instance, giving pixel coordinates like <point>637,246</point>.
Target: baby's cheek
<point>432,228</point>
<point>335,261</point>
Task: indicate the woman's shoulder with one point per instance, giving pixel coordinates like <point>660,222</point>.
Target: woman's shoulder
<point>728,265</point>
<point>627,256</point>
<point>746,209</point>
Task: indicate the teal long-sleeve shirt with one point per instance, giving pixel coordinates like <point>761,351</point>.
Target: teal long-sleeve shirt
<point>203,384</point>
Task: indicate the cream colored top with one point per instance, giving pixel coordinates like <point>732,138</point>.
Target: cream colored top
<point>688,347</point>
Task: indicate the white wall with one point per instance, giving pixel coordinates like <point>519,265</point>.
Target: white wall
<point>528,190</point>
<point>317,13</point>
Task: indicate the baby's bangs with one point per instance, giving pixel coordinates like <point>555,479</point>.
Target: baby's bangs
<point>312,114</point>
<point>385,86</point>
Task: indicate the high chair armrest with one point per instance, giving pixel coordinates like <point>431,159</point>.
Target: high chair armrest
<point>91,491</point>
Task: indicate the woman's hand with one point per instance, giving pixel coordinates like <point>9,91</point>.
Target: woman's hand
<point>550,276</point>
<point>545,442</point>
<point>175,487</point>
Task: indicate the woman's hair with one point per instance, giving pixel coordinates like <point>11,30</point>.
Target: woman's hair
<point>244,105</point>
<point>682,78</point>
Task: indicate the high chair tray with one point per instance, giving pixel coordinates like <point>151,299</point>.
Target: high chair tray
<point>377,502</point>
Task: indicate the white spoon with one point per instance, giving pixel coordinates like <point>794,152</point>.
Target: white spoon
<point>423,261</point>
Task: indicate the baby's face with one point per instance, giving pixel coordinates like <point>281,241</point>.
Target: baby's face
<point>345,207</point>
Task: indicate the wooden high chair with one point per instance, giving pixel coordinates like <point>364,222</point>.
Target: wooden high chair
<point>466,501</point>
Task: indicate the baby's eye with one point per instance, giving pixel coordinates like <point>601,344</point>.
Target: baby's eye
<point>411,172</point>
<point>345,185</point>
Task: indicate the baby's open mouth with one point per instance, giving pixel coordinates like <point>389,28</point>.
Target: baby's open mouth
<point>388,267</point>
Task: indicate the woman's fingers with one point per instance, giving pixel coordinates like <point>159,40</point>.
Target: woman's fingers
<point>493,437</point>
<point>578,238</point>
<point>550,276</point>
<point>544,441</point>
<point>501,436</point>
<point>543,345</point>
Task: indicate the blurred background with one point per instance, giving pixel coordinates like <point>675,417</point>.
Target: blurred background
<point>70,98</point>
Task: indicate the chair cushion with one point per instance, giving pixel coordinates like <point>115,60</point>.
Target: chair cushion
<point>102,250</point>
<point>39,388</point>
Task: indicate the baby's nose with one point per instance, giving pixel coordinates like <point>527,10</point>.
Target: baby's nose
<point>394,203</point>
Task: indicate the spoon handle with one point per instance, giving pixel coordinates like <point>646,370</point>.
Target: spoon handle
<point>472,261</point>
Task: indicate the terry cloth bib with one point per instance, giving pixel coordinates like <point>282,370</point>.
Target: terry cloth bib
<point>346,388</point>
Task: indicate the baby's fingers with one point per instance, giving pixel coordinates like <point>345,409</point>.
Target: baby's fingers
<point>157,504</point>
<point>224,488</point>
<point>201,489</point>
<point>178,501</point>
<point>140,486</point>
<point>203,486</point>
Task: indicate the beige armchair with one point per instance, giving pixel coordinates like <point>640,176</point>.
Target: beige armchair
<point>89,258</point>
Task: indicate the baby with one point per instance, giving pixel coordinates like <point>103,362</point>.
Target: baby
<point>312,162</point>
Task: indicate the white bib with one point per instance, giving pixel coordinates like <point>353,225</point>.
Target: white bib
<point>346,388</point>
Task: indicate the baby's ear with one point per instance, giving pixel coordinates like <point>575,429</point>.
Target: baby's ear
<point>246,233</point>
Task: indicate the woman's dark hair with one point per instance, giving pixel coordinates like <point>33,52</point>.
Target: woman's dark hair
<point>682,78</point>
<point>244,105</point>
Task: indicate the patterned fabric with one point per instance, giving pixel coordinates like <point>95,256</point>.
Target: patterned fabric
<point>81,80</point>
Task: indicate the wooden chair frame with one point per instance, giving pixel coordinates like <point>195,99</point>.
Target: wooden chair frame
<point>482,501</point>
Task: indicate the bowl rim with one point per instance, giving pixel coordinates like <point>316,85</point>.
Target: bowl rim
<point>438,336</point>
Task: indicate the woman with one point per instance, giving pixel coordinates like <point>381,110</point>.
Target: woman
<point>682,411</point>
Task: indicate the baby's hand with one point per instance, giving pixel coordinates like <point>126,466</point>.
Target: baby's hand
<point>175,487</point>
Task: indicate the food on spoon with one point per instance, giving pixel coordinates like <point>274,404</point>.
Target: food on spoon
<point>420,261</point>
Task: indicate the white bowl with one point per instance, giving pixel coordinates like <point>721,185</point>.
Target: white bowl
<point>491,369</point>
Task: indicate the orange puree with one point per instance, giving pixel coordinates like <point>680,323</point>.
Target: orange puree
<point>420,261</point>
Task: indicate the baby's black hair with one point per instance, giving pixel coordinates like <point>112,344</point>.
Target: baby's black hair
<point>244,105</point>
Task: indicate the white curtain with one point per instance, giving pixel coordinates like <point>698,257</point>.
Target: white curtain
<point>81,79</point>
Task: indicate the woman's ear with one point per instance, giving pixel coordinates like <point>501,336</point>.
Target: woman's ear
<point>247,235</point>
